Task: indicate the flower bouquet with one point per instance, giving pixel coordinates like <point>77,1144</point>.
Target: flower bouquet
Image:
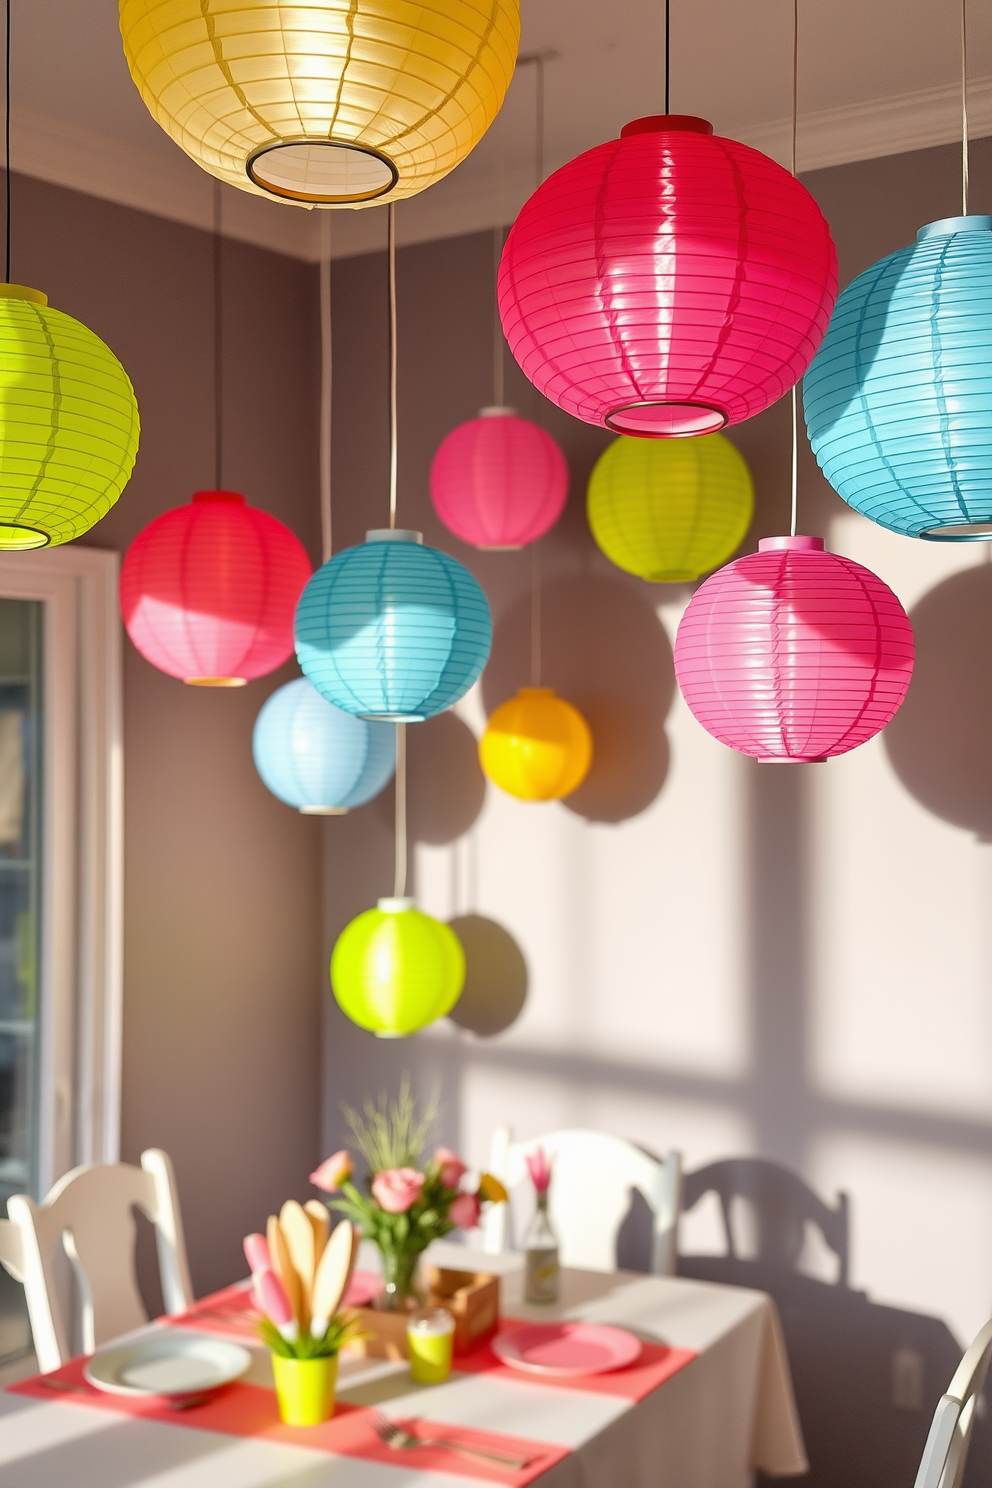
<point>407,1202</point>
<point>300,1273</point>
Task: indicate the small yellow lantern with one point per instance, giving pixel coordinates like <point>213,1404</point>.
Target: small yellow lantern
<point>324,102</point>
<point>537,747</point>
<point>670,510</point>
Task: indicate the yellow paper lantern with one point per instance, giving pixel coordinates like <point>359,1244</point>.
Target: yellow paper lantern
<point>670,510</point>
<point>537,747</point>
<point>331,103</point>
<point>395,970</point>
<point>68,423</point>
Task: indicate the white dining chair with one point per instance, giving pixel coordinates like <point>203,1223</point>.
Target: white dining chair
<point>946,1450</point>
<point>89,1214</point>
<point>592,1178</point>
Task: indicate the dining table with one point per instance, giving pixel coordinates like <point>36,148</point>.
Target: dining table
<point>708,1401</point>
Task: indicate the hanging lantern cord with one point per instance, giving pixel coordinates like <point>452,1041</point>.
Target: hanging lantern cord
<point>795,115</point>
<point>964,108</point>
<point>218,347</point>
<point>326,368</point>
<point>498,373</point>
<point>535,615</point>
<point>393,441</point>
<point>6,140</point>
<point>668,54</point>
<point>399,881</point>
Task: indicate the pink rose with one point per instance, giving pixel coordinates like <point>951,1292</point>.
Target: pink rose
<point>451,1166</point>
<point>465,1211</point>
<point>397,1189</point>
<point>333,1171</point>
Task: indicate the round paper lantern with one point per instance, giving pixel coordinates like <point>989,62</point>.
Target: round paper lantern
<point>499,481</point>
<point>208,590</point>
<point>671,510</point>
<point>899,397</point>
<point>667,283</point>
<point>792,653</point>
<point>316,758</point>
<point>68,424</point>
<point>536,747</point>
<point>394,970</point>
<point>333,102</point>
<point>392,629</point>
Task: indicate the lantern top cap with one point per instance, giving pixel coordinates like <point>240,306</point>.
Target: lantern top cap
<point>498,410</point>
<point>393,534</point>
<point>396,906</point>
<point>529,692</point>
<point>228,498</point>
<point>666,124</point>
<point>21,292</point>
<point>792,544</point>
<point>945,226</point>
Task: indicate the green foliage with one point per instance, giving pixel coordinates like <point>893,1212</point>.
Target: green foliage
<point>391,1134</point>
<point>412,1232</point>
<point>340,1330</point>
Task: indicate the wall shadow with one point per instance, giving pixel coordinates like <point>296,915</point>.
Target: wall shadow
<point>604,649</point>
<point>445,783</point>
<point>496,976</point>
<point>940,741</point>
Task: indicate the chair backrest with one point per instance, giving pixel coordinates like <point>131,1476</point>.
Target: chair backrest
<point>782,1204</point>
<point>89,1213</point>
<point>593,1176</point>
<point>946,1451</point>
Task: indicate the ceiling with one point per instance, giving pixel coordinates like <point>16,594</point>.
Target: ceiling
<point>876,77</point>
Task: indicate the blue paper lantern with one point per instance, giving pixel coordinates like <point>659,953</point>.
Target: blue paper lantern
<point>316,758</point>
<point>898,398</point>
<point>392,629</point>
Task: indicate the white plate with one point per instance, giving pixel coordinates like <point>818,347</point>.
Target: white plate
<point>169,1362</point>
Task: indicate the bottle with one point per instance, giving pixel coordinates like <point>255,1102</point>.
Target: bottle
<point>541,1252</point>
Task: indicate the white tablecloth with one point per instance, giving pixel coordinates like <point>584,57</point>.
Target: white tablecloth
<point>727,1412</point>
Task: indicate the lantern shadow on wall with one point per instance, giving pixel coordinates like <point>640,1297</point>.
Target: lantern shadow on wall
<point>496,976</point>
<point>604,650</point>
<point>940,741</point>
<point>445,783</point>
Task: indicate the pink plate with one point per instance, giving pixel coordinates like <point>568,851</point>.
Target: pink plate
<point>363,1289</point>
<point>567,1350</point>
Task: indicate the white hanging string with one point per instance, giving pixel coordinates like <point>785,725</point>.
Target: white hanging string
<point>964,108</point>
<point>499,381</point>
<point>795,116</point>
<point>399,878</point>
<point>325,385</point>
<point>393,441</point>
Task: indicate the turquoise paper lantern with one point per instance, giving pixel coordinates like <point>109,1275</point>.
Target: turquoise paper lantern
<point>393,630</point>
<point>317,758</point>
<point>898,399</point>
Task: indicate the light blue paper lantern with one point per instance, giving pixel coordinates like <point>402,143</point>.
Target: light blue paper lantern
<point>317,758</point>
<point>392,629</point>
<point>898,398</point>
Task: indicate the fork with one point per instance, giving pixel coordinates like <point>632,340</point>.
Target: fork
<point>394,1436</point>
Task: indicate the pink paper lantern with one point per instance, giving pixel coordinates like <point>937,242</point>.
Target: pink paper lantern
<point>499,481</point>
<point>667,283</point>
<point>794,654</point>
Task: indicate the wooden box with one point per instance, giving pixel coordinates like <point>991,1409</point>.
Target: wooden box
<point>386,1334</point>
<point>472,1297</point>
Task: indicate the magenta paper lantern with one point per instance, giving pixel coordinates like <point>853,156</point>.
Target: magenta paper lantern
<point>794,654</point>
<point>667,283</point>
<point>499,481</point>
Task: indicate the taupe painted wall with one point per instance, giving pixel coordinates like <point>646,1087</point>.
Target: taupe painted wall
<point>221,914</point>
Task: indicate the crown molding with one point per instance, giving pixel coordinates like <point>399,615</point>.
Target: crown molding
<point>168,184</point>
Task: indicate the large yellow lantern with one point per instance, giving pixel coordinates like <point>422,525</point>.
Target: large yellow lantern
<point>537,747</point>
<point>326,103</point>
<point>670,510</point>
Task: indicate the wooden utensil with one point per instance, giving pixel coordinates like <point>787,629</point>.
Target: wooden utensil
<point>333,1275</point>
<point>320,1220</point>
<point>283,1266</point>
<point>295,1225</point>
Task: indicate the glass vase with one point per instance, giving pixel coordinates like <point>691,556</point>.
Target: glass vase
<point>399,1271</point>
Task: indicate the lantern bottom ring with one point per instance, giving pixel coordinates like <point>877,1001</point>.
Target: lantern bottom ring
<point>662,420</point>
<point>790,759</point>
<point>392,717</point>
<point>321,172</point>
<point>323,811</point>
<point>15,538</point>
<point>959,532</point>
<point>216,681</point>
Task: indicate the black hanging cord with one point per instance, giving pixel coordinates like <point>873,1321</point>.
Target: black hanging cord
<point>218,348</point>
<point>668,52</point>
<point>6,141</point>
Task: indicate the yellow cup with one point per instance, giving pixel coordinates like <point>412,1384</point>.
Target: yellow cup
<point>430,1336</point>
<point>305,1389</point>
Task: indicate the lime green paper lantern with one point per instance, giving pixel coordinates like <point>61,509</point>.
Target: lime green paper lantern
<point>395,970</point>
<point>68,424</point>
<point>670,510</point>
